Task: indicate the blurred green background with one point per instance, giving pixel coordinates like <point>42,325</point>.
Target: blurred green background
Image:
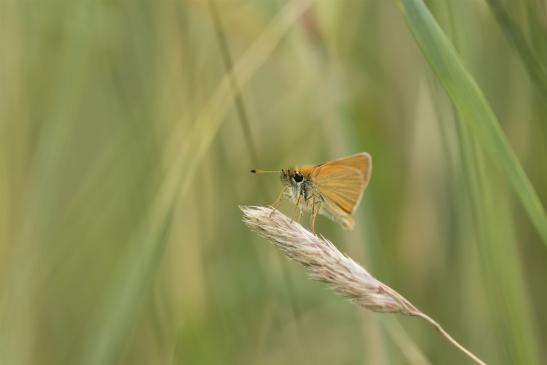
<point>124,157</point>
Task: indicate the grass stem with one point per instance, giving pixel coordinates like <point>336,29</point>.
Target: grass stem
<point>325,263</point>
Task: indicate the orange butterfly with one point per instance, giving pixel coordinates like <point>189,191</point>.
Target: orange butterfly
<point>333,188</point>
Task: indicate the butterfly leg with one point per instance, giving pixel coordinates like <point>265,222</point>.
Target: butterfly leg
<point>276,202</point>
<point>298,210</point>
<point>316,205</point>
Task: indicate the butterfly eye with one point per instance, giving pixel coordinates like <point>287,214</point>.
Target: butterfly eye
<point>298,177</point>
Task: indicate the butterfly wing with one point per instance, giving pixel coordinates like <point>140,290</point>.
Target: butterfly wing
<point>360,161</point>
<point>342,183</point>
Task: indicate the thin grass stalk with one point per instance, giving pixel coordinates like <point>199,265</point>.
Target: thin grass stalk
<point>244,120</point>
<point>197,141</point>
<point>234,85</point>
<point>499,257</point>
<point>515,35</point>
<point>325,263</point>
<point>403,341</point>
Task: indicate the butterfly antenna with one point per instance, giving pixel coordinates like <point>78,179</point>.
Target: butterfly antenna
<point>263,171</point>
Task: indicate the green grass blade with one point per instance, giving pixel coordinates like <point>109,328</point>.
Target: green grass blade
<point>515,35</point>
<point>471,105</point>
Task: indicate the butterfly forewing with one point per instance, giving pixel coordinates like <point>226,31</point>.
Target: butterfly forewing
<point>360,161</point>
<point>342,182</point>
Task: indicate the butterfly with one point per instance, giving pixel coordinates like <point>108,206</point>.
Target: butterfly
<point>333,189</point>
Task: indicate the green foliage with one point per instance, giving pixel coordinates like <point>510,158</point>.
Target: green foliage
<point>123,161</point>
<point>472,105</point>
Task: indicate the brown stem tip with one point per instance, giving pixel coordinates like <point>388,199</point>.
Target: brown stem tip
<point>325,263</point>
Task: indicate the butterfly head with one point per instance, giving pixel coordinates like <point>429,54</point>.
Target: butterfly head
<point>294,180</point>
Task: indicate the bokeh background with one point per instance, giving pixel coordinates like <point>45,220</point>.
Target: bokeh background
<point>125,149</point>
